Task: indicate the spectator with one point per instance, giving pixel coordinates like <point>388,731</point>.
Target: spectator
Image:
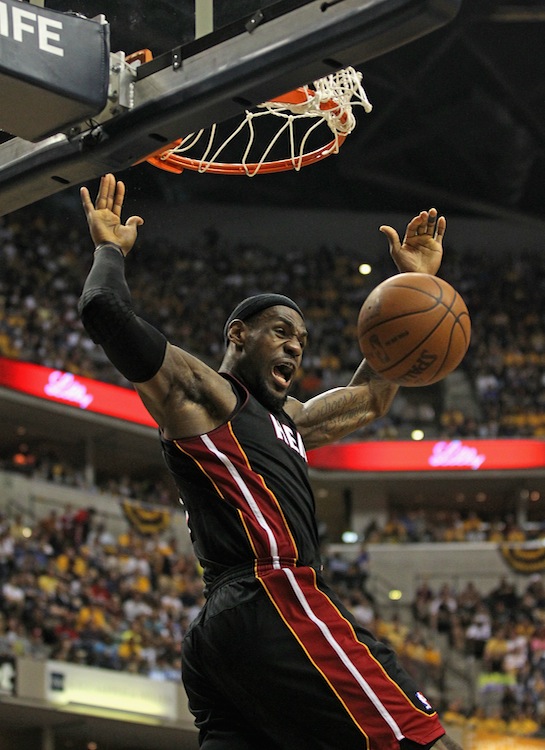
<point>442,608</point>
<point>495,649</point>
<point>478,632</point>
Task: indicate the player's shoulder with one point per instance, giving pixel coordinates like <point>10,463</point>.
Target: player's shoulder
<point>187,396</point>
<point>293,407</point>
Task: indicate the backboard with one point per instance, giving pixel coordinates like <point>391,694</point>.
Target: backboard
<point>212,60</point>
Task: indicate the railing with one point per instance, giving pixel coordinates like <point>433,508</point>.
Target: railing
<point>35,499</point>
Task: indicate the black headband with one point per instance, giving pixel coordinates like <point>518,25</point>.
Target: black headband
<point>257,303</point>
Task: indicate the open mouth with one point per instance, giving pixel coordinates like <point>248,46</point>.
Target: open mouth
<point>283,373</point>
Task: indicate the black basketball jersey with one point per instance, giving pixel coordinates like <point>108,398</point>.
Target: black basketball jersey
<point>246,491</point>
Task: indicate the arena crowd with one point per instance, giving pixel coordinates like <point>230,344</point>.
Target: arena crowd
<point>44,264</point>
<point>72,591</point>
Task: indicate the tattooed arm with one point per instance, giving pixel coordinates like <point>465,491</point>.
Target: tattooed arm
<point>338,412</point>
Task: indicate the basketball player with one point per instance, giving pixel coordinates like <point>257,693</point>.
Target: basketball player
<point>274,661</point>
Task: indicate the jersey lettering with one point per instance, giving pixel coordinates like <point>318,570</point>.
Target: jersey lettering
<point>290,437</point>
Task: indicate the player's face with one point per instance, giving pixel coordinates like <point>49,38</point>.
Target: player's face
<point>273,352</point>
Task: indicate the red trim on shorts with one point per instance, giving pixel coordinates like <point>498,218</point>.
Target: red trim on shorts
<point>375,703</point>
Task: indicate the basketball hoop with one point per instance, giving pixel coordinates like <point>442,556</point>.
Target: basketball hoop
<point>303,116</point>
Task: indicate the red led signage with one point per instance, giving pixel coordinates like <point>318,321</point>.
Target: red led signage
<point>73,390</point>
<point>426,455</point>
<point>430,455</point>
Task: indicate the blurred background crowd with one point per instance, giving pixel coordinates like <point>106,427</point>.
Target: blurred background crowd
<point>44,263</point>
<point>71,590</point>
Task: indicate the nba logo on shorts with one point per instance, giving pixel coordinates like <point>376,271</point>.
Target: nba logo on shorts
<point>424,701</point>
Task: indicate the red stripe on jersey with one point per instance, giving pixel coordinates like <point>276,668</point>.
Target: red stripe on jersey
<point>221,458</point>
<point>376,704</point>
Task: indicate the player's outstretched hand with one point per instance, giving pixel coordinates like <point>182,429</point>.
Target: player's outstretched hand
<point>104,217</point>
<point>422,248</point>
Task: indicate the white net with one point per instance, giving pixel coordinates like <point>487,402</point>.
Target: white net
<point>326,105</point>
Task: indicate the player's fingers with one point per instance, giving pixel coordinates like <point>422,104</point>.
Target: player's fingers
<point>417,225</point>
<point>431,222</point>
<point>102,194</point>
<point>111,188</point>
<point>107,187</point>
<point>136,221</point>
<point>85,199</point>
<point>427,222</point>
<point>118,198</point>
<point>440,229</point>
<point>391,235</point>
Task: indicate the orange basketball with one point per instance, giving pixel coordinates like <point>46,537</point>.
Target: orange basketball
<point>414,329</point>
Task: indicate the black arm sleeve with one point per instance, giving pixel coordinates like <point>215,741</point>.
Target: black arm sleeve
<point>134,347</point>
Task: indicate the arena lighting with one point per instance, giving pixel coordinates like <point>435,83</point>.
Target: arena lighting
<point>150,709</point>
<point>79,688</point>
<point>113,713</point>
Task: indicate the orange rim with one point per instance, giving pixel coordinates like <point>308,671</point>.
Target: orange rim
<point>176,163</point>
<point>143,55</point>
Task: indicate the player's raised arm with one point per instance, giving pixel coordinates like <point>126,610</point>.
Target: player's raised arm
<point>182,394</point>
<point>337,413</point>
<point>134,347</point>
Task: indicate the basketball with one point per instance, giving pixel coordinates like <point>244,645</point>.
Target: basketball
<point>414,329</point>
